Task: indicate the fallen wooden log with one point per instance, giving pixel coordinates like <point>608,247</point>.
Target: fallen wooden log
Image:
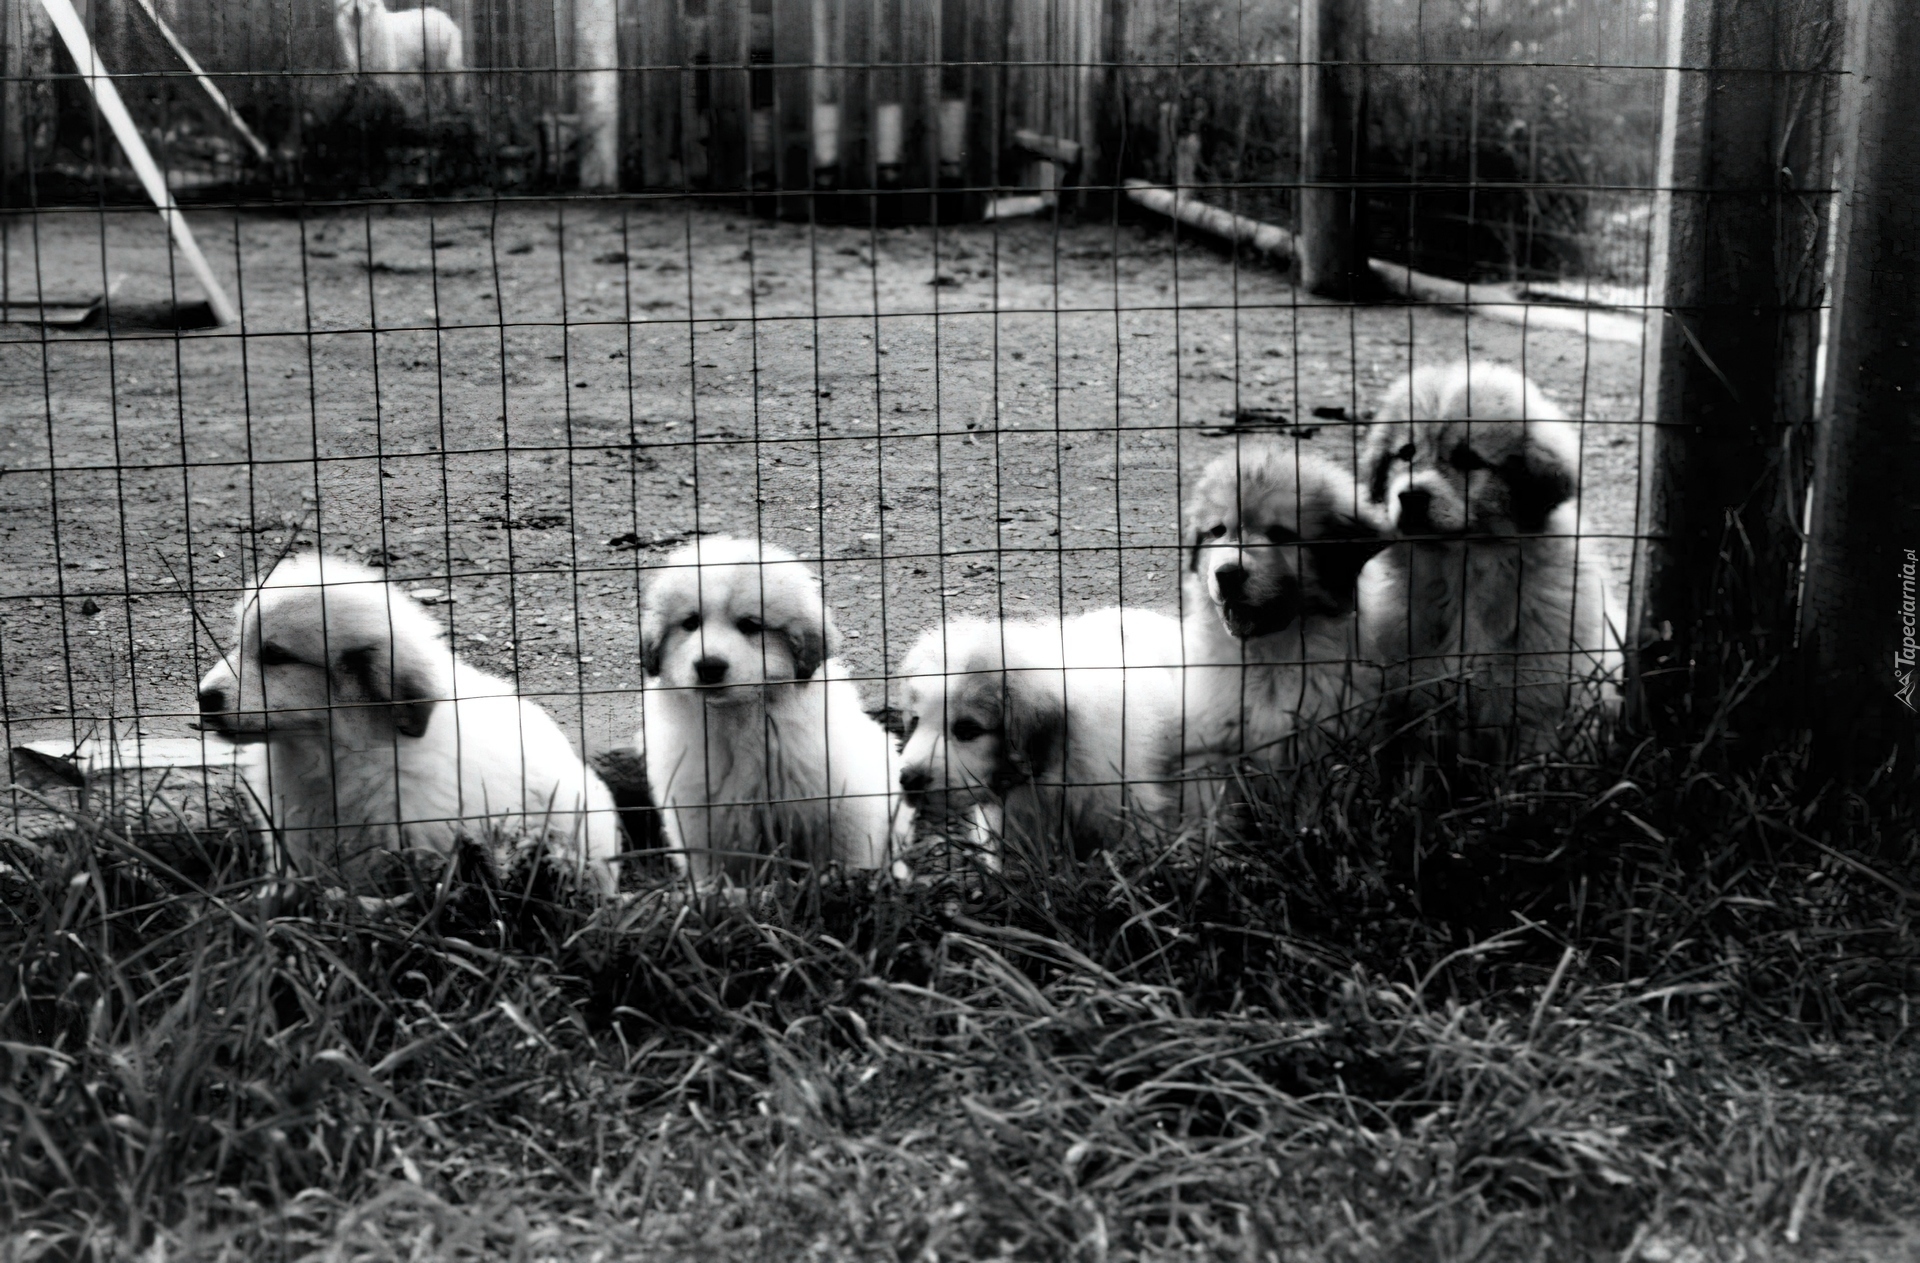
<point>145,783</point>
<point>1056,148</point>
<point>1498,302</point>
<point>1190,210</point>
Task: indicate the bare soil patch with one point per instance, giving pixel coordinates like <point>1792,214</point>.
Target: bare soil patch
<point>522,405</point>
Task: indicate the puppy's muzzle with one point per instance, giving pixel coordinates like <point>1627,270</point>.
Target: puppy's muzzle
<point>1416,511</point>
<point>1245,619</point>
<point>922,791</point>
<point>711,670</point>
<point>1231,581</point>
<point>918,787</point>
<point>219,708</point>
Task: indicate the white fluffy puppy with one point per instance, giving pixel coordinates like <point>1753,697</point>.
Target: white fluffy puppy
<point>417,55</point>
<point>1495,619</point>
<point>370,737</point>
<point>755,740</point>
<point>1045,730</point>
<point>1277,543</point>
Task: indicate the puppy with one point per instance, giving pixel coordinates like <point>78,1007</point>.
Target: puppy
<point>1494,619</point>
<point>1041,730</point>
<point>755,739</point>
<point>1277,543</point>
<point>371,738</point>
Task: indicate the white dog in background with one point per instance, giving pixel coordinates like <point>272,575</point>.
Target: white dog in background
<point>417,55</point>
<point>370,737</point>
<point>1493,616</point>
<point>1043,731</point>
<point>755,740</point>
<point>1277,543</point>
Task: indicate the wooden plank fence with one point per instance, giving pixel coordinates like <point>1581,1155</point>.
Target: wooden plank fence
<point>916,99</point>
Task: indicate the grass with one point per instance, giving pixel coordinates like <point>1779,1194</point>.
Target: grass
<point>1649,1007</point>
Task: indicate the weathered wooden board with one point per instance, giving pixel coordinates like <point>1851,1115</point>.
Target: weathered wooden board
<point>146,783</point>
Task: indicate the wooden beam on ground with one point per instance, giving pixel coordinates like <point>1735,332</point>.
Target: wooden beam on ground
<point>1270,239</point>
<point>1738,252</point>
<point>150,783</point>
<point>74,33</point>
<point>1058,149</point>
<point>1506,303</point>
<point>1330,207</point>
<point>1859,617</point>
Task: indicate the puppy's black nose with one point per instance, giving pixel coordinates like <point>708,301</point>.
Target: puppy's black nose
<point>711,670</point>
<point>213,701</point>
<point>1416,509</point>
<point>1232,579</point>
<point>915,779</point>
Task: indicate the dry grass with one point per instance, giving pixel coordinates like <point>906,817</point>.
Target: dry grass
<point>1563,1013</point>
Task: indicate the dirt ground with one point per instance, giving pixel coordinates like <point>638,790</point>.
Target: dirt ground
<point>523,405</point>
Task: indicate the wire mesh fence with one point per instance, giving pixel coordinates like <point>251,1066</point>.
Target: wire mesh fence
<point>783,412</point>
<point>814,318</point>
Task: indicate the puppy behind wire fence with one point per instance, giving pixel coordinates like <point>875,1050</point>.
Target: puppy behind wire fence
<point>516,406</point>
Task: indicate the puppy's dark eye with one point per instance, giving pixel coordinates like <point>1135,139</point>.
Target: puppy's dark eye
<point>1217,531</point>
<point>1465,459</point>
<point>913,726</point>
<point>967,730</point>
<point>691,622</point>
<point>1281,535</point>
<point>1405,454</point>
<point>272,655</point>
<point>749,625</point>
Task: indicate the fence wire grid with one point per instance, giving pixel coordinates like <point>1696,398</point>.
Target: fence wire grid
<point>864,306</point>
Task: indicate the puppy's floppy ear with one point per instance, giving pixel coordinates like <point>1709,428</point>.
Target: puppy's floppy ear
<point>1379,461</point>
<point>1208,491</point>
<point>1342,545</point>
<point>400,674</point>
<point>653,640</point>
<point>811,639</point>
<point>1033,719</point>
<point>1538,482</point>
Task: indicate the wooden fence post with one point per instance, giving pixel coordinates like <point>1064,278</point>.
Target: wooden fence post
<point>1859,615</point>
<point>1737,259</point>
<point>793,51</point>
<point>14,134</point>
<point>1107,130</point>
<point>1333,245</point>
<point>26,93</point>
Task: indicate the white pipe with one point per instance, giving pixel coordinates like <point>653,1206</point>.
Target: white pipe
<point>887,134</point>
<point>953,131</point>
<point>826,134</point>
<point>107,97</point>
<point>596,50</point>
